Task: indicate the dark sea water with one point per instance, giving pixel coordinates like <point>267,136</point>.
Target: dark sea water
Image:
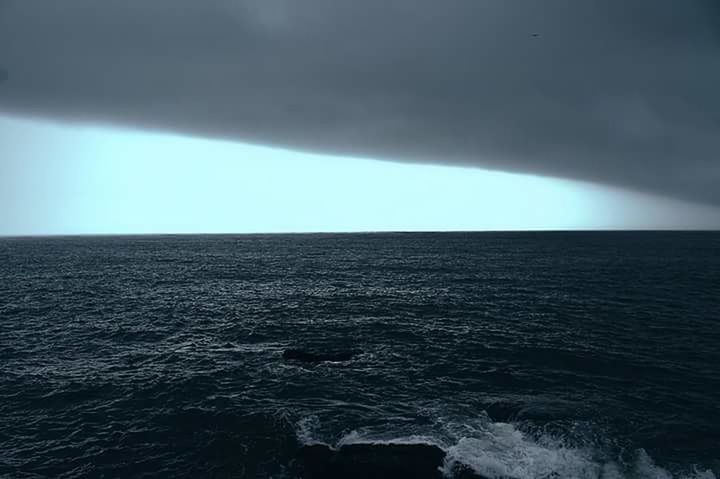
<point>524,355</point>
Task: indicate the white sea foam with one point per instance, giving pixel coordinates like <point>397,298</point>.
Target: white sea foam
<point>500,451</point>
<point>503,451</point>
<point>307,430</point>
<point>645,468</point>
<point>355,437</point>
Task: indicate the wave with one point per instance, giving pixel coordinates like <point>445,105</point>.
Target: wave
<point>496,450</point>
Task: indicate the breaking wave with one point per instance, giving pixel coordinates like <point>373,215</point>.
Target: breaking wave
<point>497,450</point>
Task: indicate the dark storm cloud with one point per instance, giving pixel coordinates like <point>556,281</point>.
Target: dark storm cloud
<point>617,91</point>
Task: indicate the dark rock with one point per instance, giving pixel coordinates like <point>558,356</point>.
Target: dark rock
<point>377,461</point>
<point>362,461</point>
<point>502,411</point>
<point>317,357</point>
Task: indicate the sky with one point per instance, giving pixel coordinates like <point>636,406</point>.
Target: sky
<point>128,116</point>
<point>78,179</point>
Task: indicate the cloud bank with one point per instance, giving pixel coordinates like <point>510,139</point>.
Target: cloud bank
<point>622,92</point>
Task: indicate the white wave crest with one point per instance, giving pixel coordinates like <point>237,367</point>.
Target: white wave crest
<point>501,451</point>
<point>306,430</point>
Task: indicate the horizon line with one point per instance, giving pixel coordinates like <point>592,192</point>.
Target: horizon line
<point>364,232</point>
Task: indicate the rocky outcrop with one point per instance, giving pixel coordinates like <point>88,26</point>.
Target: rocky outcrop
<point>376,461</point>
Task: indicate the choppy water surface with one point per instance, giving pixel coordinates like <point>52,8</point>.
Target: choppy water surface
<point>525,355</point>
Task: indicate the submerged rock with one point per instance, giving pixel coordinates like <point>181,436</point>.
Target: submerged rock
<point>377,461</point>
<point>363,461</point>
<point>316,356</point>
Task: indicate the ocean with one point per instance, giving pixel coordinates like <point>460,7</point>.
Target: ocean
<point>494,355</point>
